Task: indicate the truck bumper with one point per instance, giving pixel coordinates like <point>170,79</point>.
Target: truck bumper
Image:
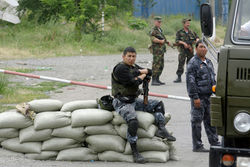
<point>241,156</point>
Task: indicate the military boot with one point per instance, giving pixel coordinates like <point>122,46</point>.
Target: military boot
<point>163,133</point>
<point>158,79</point>
<point>178,80</point>
<point>155,82</point>
<point>138,158</point>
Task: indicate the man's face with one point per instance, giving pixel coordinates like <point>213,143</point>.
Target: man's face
<point>157,23</point>
<point>186,24</point>
<point>201,50</point>
<point>129,58</point>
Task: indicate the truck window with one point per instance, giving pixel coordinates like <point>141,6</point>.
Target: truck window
<point>241,29</point>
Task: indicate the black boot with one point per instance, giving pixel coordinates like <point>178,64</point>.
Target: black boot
<point>163,133</point>
<point>155,82</point>
<point>136,155</point>
<point>178,80</point>
<point>158,80</point>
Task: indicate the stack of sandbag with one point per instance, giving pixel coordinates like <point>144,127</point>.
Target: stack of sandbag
<point>79,131</point>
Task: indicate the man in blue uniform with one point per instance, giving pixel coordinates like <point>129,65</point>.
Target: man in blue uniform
<point>200,78</point>
<point>126,78</point>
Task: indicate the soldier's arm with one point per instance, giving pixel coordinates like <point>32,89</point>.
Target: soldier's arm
<point>154,39</point>
<point>179,41</point>
<point>191,83</point>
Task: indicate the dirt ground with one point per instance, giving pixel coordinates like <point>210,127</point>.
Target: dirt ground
<point>97,70</point>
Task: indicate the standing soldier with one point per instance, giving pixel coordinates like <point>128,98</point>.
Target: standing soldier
<point>158,49</point>
<point>200,78</point>
<point>185,38</point>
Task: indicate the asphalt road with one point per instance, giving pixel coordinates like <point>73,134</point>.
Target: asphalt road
<point>97,69</point>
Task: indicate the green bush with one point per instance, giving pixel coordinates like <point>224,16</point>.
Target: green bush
<point>137,24</point>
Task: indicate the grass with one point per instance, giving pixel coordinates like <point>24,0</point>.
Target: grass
<point>17,93</point>
<point>31,40</point>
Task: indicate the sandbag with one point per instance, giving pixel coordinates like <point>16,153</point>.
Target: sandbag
<point>77,154</point>
<point>113,156</point>
<point>145,119</point>
<point>172,152</point>
<point>29,134</point>
<point>8,133</point>
<point>14,119</point>
<point>44,155</point>
<point>79,104</point>
<point>2,139</point>
<point>89,117</point>
<point>167,117</point>
<point>50,120</point>
<point>101,129</point>
<point>141,133</point>
<point>100,143</point>
<point>28,147</point>
<point>42,105</point>
<point>147,144</point>
<point>69,132</point>
<point>56,144</point>
<point>156,156</point>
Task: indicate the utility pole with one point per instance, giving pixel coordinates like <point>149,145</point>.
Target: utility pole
<point>212,3</point>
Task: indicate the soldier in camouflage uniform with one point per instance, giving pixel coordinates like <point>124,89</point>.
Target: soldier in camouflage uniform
<point>158,49</point>
<point>185,38</point>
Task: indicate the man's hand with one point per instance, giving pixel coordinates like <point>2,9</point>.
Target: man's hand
<point>197,103</point>
<point>142,76</point>
<point>144,71</point>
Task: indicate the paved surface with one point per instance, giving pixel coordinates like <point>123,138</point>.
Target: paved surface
<point>97,69</point>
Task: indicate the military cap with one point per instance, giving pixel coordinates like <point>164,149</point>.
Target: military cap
<point>158,18</point>
<point>185,20</point>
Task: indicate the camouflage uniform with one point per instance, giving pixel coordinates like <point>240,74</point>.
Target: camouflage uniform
<point>184,54</point>
<point>200,78</point>
<point>158,51</point>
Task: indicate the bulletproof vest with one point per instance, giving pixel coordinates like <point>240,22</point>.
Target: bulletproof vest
<point>118,89</point>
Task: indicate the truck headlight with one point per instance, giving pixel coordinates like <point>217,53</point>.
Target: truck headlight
<point>242,122</point>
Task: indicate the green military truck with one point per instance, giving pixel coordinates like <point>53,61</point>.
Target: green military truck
<point>230,107</point>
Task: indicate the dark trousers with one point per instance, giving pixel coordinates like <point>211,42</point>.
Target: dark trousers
<point>197,116</point>
<point>183,55</point>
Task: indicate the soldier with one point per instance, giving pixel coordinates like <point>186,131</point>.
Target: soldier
<point>158,49</point>
<point>126,78</point>
<point>200,78</point>
<point>185,38</point>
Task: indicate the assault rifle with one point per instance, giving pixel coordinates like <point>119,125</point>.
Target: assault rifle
<point>165,40</point>
<point>145,90</point>
<point>189,43</point>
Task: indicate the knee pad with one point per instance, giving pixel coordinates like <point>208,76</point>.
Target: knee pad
<point>160,108</point>
<point>132,127</point>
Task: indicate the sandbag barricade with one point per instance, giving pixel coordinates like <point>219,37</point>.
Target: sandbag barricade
<point>79,131</point>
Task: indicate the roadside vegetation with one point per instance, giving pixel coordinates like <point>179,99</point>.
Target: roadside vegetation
<point>39,37</point>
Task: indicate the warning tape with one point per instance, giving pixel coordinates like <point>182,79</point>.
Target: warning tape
<point>86,84</point>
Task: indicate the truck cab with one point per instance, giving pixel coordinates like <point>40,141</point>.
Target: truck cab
<point>230,107</point>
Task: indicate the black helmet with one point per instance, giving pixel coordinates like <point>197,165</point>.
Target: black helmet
<point>105,102</point>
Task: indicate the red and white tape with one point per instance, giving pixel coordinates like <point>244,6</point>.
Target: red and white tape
<point>86,84</point>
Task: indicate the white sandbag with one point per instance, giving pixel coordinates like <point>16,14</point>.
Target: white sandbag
<point>145,119</point>
<point>50,120</point>
<point>8,133</point>
<point>42,105</point>
<point>69,132</point>
<point>77,154</point>
<point>2,139</point>
<point>167,117</point>
<point>117,119</point>
<point>89,117</point>
<point>14,145</point>
<point>147,144</point>
<point>79,104</point>
<point>156,156</point>
<point>141,133</point>
<point>100,143</point>
<point>44,155</point>
<point>107,129</point>
<point>56,144</point>
<point>113,156</point>
<point>14,119</point>
<point>29,134</point>
<point>172,151</point>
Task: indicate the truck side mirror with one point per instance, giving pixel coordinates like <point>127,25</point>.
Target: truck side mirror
<point>206,20</point>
